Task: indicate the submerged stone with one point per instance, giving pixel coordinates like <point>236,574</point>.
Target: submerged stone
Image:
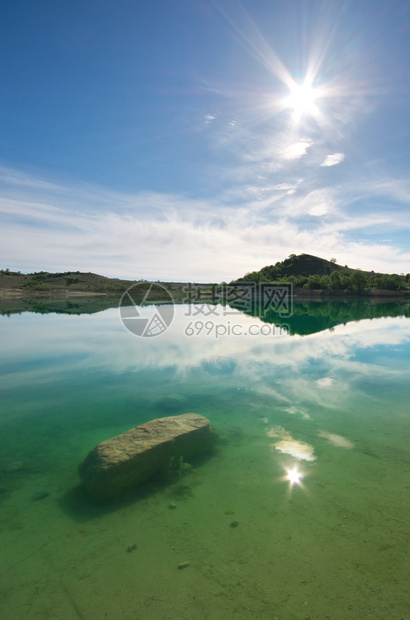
<point>13,467</point>
<point>127,460</point>
<point>40,495</point>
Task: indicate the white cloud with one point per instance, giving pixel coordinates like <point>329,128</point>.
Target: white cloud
<point>209,117</point>
<point>315,203</point>
<point>296,150</point>
<point>318,210</point>
<point>333,160</point>
<point>153,235</point>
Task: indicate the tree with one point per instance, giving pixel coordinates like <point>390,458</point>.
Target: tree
<point>301,281</point>
<point>325,282</point>
<point>358,279</point>
<point>393,283</point>
<point>314,281</point>
<point>345,282</point>
<point>372,282</point>
<point>333,260</point>
<point>335,280</point>
<point>380,282</point>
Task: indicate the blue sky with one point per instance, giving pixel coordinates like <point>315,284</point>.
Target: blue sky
<point>199,140</point>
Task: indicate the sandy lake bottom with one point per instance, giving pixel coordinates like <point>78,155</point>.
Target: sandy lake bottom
<point>301,513</point>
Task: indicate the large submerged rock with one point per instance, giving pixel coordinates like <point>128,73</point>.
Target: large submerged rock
<point>129,459</point>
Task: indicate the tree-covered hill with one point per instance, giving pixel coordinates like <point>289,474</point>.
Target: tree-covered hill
<point>314,273</point>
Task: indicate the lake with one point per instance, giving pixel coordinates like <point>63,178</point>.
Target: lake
<point>301,513</point>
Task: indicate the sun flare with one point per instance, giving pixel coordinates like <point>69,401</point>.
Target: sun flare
<point>302,99</point>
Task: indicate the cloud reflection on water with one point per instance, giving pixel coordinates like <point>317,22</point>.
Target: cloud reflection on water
<point>39,348</point>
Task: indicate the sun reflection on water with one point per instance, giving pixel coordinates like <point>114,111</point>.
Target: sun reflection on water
<point>294,476</point>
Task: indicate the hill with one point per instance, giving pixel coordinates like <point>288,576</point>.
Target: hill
<point>69,284</point>
<point>301,265</point>
<point>314,273</point>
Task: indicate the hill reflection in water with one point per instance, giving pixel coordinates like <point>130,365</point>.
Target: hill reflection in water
<point>309,317</point>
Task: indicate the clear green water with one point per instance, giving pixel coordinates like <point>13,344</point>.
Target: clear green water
<point>334,546</point>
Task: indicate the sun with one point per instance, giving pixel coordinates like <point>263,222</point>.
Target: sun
<point>302,99</point>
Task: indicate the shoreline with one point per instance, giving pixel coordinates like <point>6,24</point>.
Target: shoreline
<point>20,294</point>
<point>310,294</point>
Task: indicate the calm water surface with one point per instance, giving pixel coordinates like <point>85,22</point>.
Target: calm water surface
<point>302,512</point>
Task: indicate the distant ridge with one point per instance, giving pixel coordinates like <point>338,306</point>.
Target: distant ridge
<point>69,283</point>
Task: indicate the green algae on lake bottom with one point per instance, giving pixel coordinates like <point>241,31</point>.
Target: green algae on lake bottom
<point>313,464</point>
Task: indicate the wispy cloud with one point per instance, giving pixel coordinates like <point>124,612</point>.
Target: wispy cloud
<point>8,176</point>
<point>209,117</point>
